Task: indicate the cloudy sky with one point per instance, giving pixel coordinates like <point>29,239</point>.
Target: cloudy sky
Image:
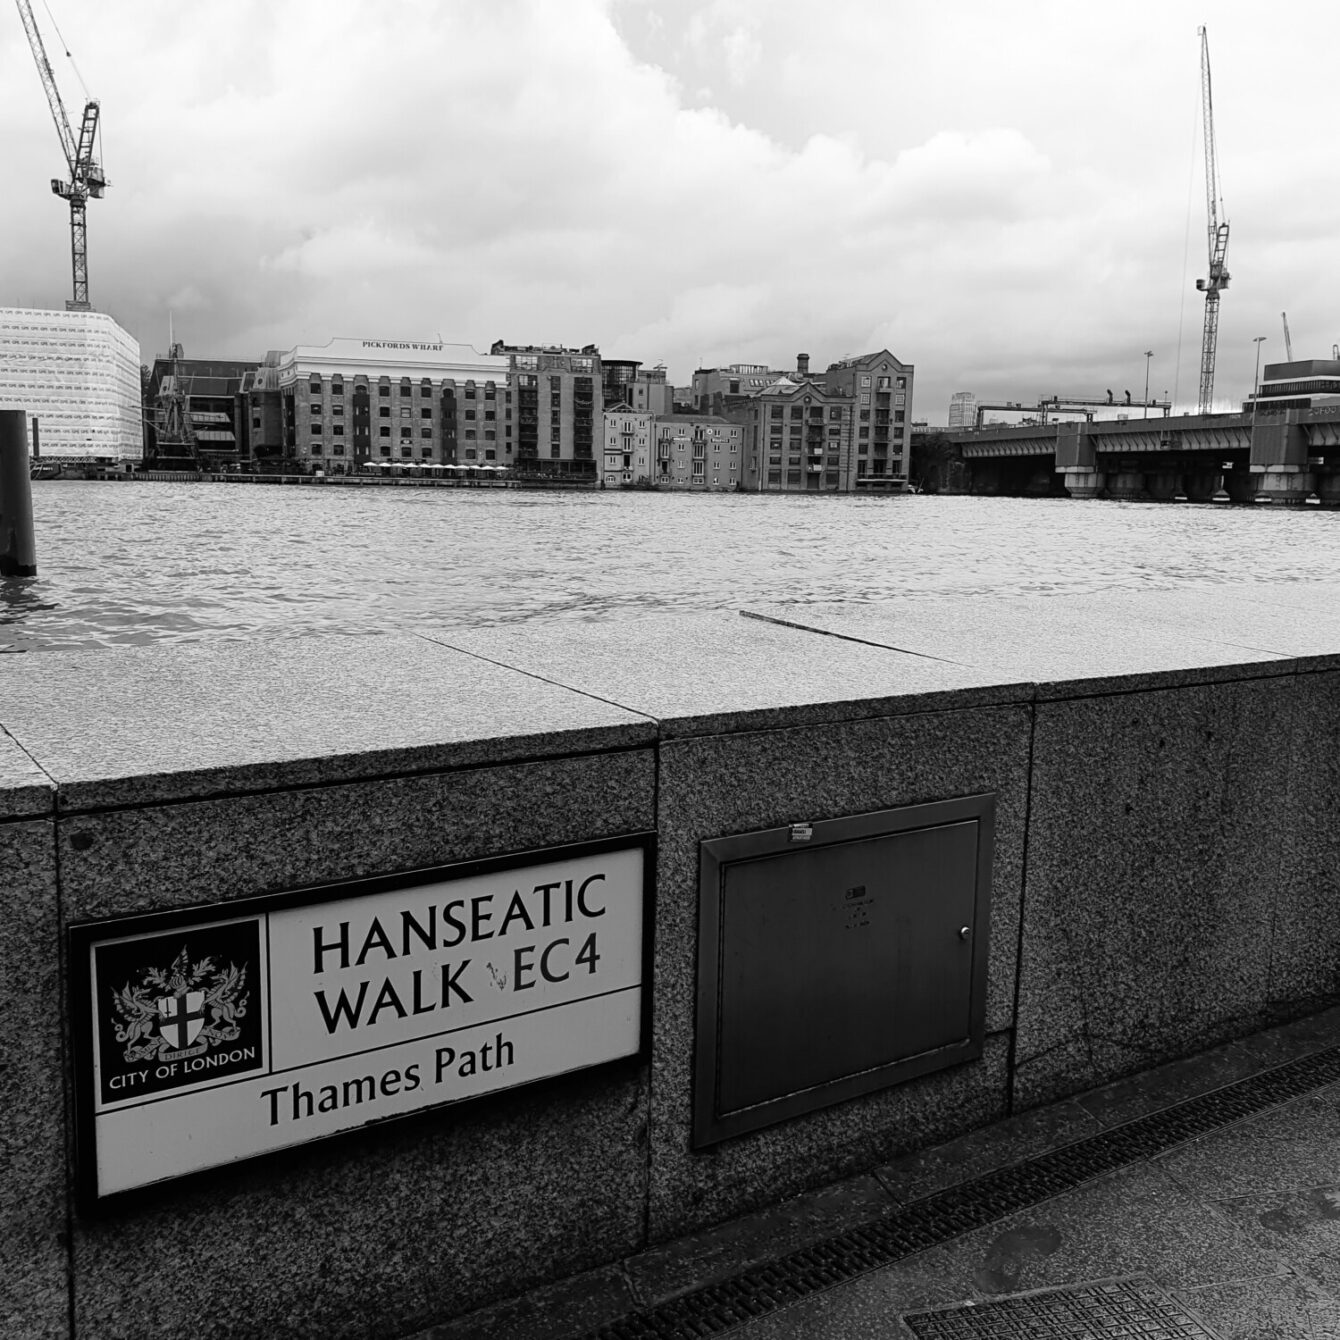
<point>1011,197</point>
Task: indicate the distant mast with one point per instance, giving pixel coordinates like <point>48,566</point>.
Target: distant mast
<point>1217,232</point>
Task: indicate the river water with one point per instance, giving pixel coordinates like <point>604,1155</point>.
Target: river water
<point>136,563</point>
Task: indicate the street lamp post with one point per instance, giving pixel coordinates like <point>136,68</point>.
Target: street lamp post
<point>1256,379</point>
<point>1149,353</point>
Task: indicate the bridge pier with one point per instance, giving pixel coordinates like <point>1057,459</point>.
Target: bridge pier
<point>1240,485</point>
<point>1127,484</point>
<point>1163,485</point>
<point>1328,487</point>
<point>1081,482</point>
<point>1287,485</point>
<point>1202,485</point>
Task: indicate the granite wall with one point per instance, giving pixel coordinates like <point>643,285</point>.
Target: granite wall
<point>1165,771</point>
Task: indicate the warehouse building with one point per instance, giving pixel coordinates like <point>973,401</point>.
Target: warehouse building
<point>349,402</point>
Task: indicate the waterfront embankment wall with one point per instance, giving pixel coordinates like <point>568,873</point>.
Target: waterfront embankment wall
<point>1165,772</point>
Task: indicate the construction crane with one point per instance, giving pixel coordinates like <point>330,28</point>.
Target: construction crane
<point>85,177</point>
<point>1218,237</point>
<point>1288,343</point>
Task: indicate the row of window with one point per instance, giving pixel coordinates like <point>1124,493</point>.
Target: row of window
<point>406,388</point>
<point>337,430</point>
<point>407,453</point>
<point>835,412</point>
<point>470,416</point>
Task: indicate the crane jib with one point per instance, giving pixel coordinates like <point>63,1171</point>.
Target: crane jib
<point>85,174</point>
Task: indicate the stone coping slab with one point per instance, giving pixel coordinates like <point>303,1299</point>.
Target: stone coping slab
<point>714,673</point>
<point>1065,646</point>
<point>147,724</point>
<point>25,790</point>
<point>1300,620</point>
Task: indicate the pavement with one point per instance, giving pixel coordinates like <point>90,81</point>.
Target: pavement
<point>1198,1200</point>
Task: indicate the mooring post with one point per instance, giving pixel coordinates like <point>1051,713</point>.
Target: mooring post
<point>18,548</point>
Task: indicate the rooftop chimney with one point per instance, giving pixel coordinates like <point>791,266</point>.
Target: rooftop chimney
<point>803,364</point>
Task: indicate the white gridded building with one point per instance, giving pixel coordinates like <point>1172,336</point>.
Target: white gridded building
<point>78,375</point>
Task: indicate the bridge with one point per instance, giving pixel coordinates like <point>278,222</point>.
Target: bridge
<point>1283,456</point>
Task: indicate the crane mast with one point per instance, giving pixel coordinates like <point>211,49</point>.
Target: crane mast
<point>1288,343</point>
<point>85,175</point>
<point>1217,235</point>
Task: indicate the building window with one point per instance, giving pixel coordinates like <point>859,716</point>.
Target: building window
<point>384,411</point>
<point>386,451</point>
<point>425,432</point>
<point>338,430</point>
<point>882,384</point>
<point>426,391</point>
<point>490,391</point>
<point>491,454</point>
<point>469,392</point>
<point>865,381</point>
<point>469,453</point>
<point>383,390</point>
<point>490,434</point>
<point>490,414</point>
<point>797,412</point>
<point>426,453</point>
<point>469,414</point>
<point>406,453</point>
<point>384,430</point>
<point>315,407</point>
<point>774,476</point>
<point>337,410</point>
<point>316,448</point>
<point>470,434</point>
<point>255,420</point>
<point>315,386</point>
<point>338,449</point>
<point>337,388</point>
<point>425,414</point>
<point>316,428</point>
<point>404,432</point>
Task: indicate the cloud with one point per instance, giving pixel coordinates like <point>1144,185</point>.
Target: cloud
<point>992,208</point>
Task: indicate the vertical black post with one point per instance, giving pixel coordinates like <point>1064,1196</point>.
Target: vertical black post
<point>18,549</point>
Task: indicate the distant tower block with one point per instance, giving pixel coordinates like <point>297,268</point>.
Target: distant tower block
<point>962,410</point>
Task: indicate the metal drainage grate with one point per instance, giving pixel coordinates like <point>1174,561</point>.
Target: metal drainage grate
<point>1127,1308</point>
<point>964,1208</point>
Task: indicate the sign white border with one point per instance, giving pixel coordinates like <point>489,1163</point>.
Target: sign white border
<point>374,999</point>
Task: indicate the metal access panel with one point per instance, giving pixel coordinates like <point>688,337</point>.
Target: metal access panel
<point>837,958</point>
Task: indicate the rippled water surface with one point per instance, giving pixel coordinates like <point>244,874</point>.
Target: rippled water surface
<point>134,563</point>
